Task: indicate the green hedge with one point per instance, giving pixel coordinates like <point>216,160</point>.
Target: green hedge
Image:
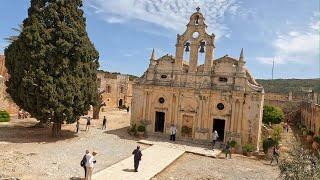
<point>272,114</point>
<point>4,116</point>
<point>267,143</point>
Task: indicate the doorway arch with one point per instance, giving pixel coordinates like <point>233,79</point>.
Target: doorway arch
<point>120,102</point>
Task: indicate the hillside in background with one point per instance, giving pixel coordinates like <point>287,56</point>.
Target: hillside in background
<point>284,86</point>
<point>113,75</point>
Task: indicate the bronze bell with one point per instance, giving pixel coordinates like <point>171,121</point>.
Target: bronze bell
<point>187,47</point>
<point>202,44</point>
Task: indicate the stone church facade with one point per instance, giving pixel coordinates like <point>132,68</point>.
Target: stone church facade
<point>219,95</point>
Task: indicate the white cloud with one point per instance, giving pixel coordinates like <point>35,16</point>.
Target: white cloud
<point>170,14</point>
<point>295,46</point>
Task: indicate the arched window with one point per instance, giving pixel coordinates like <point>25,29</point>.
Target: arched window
<point>108,89</point>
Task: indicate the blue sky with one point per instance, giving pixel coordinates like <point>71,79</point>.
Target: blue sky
<point>125,31</point>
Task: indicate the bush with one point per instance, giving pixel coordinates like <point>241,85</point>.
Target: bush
<point>133,130</point>
<point>4,116</point>
<point>141,128</point>
<point>267,143</point>
<point>248,148</point>
<point>233,143</point>
<point>317,139</point>
<point>300,165</point>
<point>276,135</point>
<point>272,114</point>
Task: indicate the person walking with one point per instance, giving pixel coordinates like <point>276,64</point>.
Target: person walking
<point>128,109</point>
<point>228,149</point>
<point>275,154</point>
<point>78,125</point>
<point>173,132</point>
<point>104,123</point>
<point>83,163</point>
<point>88,123</point>
<point>215,137</point>
<point>90,161</point>
<point>137,158</point>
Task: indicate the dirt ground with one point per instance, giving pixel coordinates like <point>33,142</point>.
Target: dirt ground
<point>191,167</point>
<point>30,153</point>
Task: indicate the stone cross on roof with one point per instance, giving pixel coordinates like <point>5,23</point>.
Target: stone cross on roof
<point>198,9</point>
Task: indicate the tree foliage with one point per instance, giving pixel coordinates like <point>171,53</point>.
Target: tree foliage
<point>52,64</point>
<point>272,114</point>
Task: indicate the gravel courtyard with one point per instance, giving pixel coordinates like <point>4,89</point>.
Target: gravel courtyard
<point>191,167</point>
<point>30,153</point>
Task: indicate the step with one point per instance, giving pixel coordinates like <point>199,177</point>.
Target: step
<point>154,160</point>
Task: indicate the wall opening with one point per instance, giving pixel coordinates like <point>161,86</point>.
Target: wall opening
<point>219,126</point>
<point>159,123</point>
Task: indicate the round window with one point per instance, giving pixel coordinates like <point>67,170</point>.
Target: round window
<point>195,35</point>
<point>220,106</point>
<point>161,100</point>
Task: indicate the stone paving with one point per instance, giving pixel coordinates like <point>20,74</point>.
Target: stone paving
<point>187,148</point>
<point>154,160</point>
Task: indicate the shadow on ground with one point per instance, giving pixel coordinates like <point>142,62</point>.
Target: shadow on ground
<point>23,131</point>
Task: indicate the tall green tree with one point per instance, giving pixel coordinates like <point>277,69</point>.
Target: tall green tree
<point>52,63</point>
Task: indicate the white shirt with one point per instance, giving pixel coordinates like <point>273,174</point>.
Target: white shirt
<point>215,135</point>
<point>90,159</point>
<point>173,130</point>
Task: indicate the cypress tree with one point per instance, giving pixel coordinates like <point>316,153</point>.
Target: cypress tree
<point>52,63</point>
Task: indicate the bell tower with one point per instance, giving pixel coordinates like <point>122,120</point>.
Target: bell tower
<point>195,40</point>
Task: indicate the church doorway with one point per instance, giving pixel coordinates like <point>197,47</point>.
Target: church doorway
<point>159,124</point>
<point>219,124</point>
<point>120,103</point>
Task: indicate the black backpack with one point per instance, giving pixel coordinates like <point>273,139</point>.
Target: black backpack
<point>83,161</point>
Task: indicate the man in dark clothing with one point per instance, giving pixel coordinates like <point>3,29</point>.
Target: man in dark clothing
<point>104,123</point>
<point>137,158</point>
<point>83,163</point>
<point>228,149</point>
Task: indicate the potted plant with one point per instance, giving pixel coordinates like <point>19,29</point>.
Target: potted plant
<point>141,129</point>
<point>233,145</point>
<point>304,131</point>
<point>310,136</point>
<point>316,142</point>
<point>247,149</point>
<point>133,130</point>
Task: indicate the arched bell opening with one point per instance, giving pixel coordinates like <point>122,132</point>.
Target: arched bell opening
<point>186,52</point>
<point>201,52</point>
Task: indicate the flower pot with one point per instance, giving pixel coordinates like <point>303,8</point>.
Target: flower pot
<point>233,150</point>
<point>309,138</point>
<point>140,134</point>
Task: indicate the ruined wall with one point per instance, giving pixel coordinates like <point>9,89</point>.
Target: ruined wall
<point>310,116</point>
<point>117,89</point>
<point>5,101</point>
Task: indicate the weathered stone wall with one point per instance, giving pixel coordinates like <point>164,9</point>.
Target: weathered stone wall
<point>5,101</point>
<point>310,116</point>
<point>116,89</point>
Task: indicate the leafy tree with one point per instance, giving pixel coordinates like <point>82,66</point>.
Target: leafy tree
<point>52,63</point>
<point>272,114</point>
